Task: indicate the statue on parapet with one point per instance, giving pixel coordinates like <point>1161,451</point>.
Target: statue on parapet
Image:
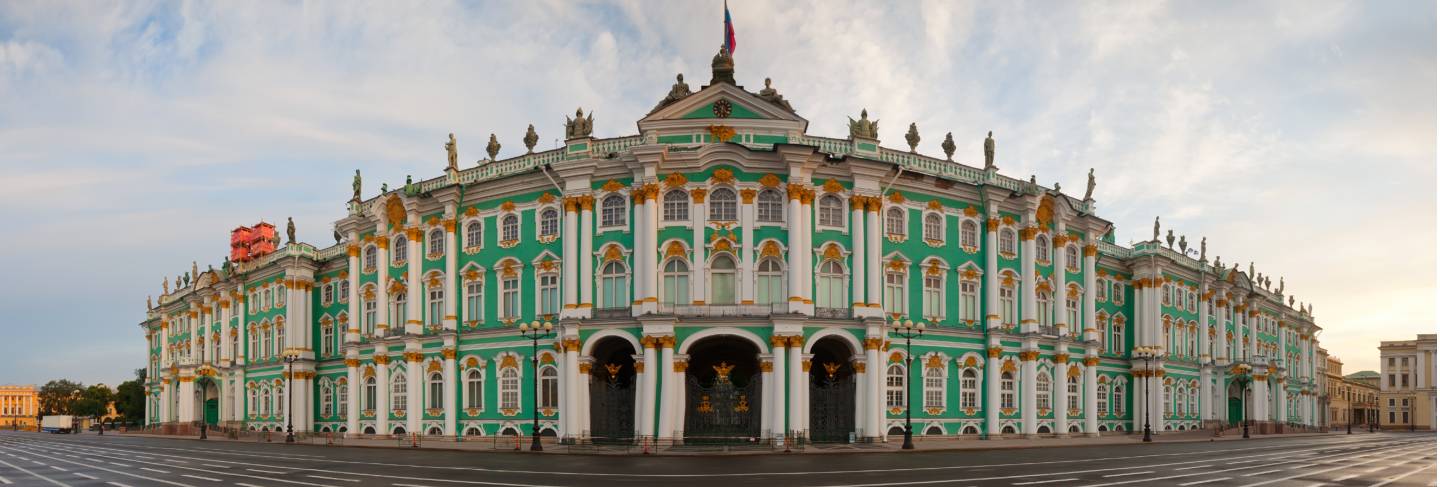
<point>195,270</point>
<point>148,305</point>
<point>1170,238</point>
<point>355,186</point>
<point>581,126</point>
<point>678,91</point>
<point>1202,249</point>
<point>452,154</point>
<point>1090,185</point>
<point>1282,285</point>
<point>864,128</point>
<point>948,146</point>
<point>990,150</point>
<point>165,286</point>
<point>769,94</point>
<point>1183,245</point>
<point>289,230</point>
<point>530,139</point>
<point>1156,238</point>
<point>227,266</point>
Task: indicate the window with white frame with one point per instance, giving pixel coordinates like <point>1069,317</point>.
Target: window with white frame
<point>475,300</point>
<point>895,386</point>
<point>1165,292</point>
<point>1118,399</point>
<point>436,393</point>
<point>368,399</point>
<point>969,234</point>
<point>722,205</point>
<point>969,389</point>
<point>934,296</point>
<point>1072,257</point>
<point>1007,304</point>
<point>970,301</point>
<point>370,314</point>
<point>436,244</point>
<point>722,280</point>
<point>252,402</point>
<point>510,388</point>
<point>1007,390</point>
<point>510,298</point>
<point>1194,401</point>
<point>830,286</point>
<point>549,222</point>
<point>1047,307</point>
<point>327,294</point>
<point>370,257</point>
<point>1042,248</point>
<point>1072,311</point>
<point>1100,290</point>
<point>895,221</point>
<point>342,403</point>
<point>1042,390</point>
<point>475,389</point>
<point>934,387</point>
<point>1168,394</point>
<point>675,283</point>
<point>612,211</point>
<point>830,212</point>
<point>1117,294</point>
<point>676,206</point>
<point>614,286</point>
<point>327,340</point>
<point>895,291</point>
<point>1102,399</point>
<point>343,290</point>
<point>327,394</point>
<point>549,293</point>
<point>509,228</point>
<point>769,284</point>
<point>934,227</point>
<point>397,308</point>
<point>397,391</point>
<point>769,206</point>
<point>1007,241</point>
<point>473,234</point>
<point>1072,393</point>
<point>549,387</point>
<point>436,306</point>
<point>398,248</point>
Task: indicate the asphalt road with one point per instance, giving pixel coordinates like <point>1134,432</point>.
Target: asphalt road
<point>89,460</point>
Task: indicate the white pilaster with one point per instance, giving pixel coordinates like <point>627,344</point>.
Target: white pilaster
<point>1091,390</point>
<point>1029,321</point>
<point>698,268</point>
<point>352,390</point>
<point>452,268</point>
<point>992,289</point>
<point>992,387</point>
<point>382,394</point>
<point>452,397</point>
<point>668,387</point>
<point>857,260</point>
<point>796,243</point>
<point>776,399</point>
<point>872,257</point>
<point>352,332</point>
<point>570,252</point>
<point>652,371</point>
<point>586,254</point>
<point>1028,376</point>
<point>796,380</point>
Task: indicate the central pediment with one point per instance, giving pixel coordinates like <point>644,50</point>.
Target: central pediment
<point>723,104</point>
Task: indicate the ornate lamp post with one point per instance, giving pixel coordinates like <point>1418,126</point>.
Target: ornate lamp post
<point>535,331</point>
<point>290,356</point>
<point>203,382</point>
<point>1242,373</point>
<point>1146,354</point>
<point>908,330</point>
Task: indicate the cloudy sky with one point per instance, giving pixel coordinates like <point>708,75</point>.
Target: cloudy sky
<point>134,135</point>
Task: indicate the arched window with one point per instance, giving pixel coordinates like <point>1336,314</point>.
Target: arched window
<point>1042,390</point>
<point>1102,399</point>
<point>509,228</point>
<point>722,280</point>
<point>549,222</point>
<point>370,257</point>
<point>436,242</point>
<point>934,224</point>
<point>612,211</point>
<point>895,221</point>
<point>265,406</point>
<point>895,386</point>
<point>1117,294</point>
<point>327,394</point>
<point>1072,257</point>
<point>830,212</point>
<point>1194,401</point>
<point>1046,302</point>
<point>676,207</point>
<point>722,205</point>
<point>368,402</point>
<point>1042,248</point>
<point>1007,241</point>
<point>1007,303</point>
<point>343,289</point>
<point>1072,309</point>
<point>830,286</point>
<point>327,339</point>
<point>398,249</point>
<point>436,305</point>
<point>397,310</point>
<point>475,389</point>
<point>549,388</point>
<point>769,206</point>
<point>252,403</point>
<point>1007,390</point>
<point>969,234</point>
<point>1117,336</point>
<point>1072,393</point>
<point>934,387</point>
<point>510,388</point>
<point>472,234</point>
<point>675,283</point>
<point>1118,399</point>
<point>397,391</point>
<point>969,389</point>
<point>1168,394</point>
<point>614,286</point>
<point>769,285</point>
<point>1100,290</point>
<point>436,394</point>
<point>342,403</point>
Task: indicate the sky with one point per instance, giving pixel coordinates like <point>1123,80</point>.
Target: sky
<point>134,135</point>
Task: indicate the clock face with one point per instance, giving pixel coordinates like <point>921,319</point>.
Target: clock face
<point>721,108</point>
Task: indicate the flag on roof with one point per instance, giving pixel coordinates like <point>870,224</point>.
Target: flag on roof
<point>729,31</point>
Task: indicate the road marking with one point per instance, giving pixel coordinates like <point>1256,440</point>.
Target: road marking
<point>176,461</point>
<point>1051,481</point>
<point>401,485</point>
<point>1206,481</point>
<point>333,478</point>
<point>33,474</point>
<point>1194,467</point>
<point>37,462</point>
<point>156,470</point>
<point>1400,450</point>
<point>1252,474</point>
<point>1129,474</point>
<point>214,466</point>
<point>117,484</point>
<point>86,476</point>
<point>1376,469</point>
<point>118,464</point>
<point>1401,476</point>
<point>199,477</point>
<point>5,481</point>
<point>245,485</point>
<point>1302,466</point>
<point>118,472</point>
<point>1345,477</point>
<point>266,471</point>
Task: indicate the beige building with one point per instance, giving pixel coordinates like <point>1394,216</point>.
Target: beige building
<point>1407,383</point>
<point>18,406</point>
<point>1349,400</point>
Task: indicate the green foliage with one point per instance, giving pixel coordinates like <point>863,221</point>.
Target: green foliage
<point>94,401</point>
<point>130,398</point>
<point>59,397</point>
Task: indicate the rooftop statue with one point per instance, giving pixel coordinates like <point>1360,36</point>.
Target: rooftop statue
<point>147,303</point>
<point>226,266</point>
<point>678,91</point>
<point>722,67</point>
<point>493,148</point>
<point>769,94</point>
<point>580,126</point>
<point>165,286</point>
<point>1202,249</point>
<point>289,230</point>
<point>1282,285</point>
<point>1170,238</point>
<point>948,146</point>
<point>1252,268</point>
<point>1090,185</point>
<point>1157,230</point>
<point>864,128</point>
<point>990,150</point>
<point>187,279</point>
<point>1057,186</point>
<point>1183,245</point>
<point>384,188</point>
<point>530,139</point>
<point>912,137</point>
<point>451,154</point>
<point>355,186</point>
<point>337,236</point>
<point>1292,301</point>
<point>410,188</point>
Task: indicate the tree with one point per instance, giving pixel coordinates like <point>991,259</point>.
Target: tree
<point>130,398</point>
<point>94,401</point>
<point>59,396</point>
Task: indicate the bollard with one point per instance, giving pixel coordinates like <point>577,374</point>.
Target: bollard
<point>414,440</point>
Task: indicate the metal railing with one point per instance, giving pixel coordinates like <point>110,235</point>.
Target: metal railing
<point>723,310</point>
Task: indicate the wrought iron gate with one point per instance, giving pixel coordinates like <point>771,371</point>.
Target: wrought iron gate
<point>722,411</point>
<point>612,407</point>
<point>832,407</point>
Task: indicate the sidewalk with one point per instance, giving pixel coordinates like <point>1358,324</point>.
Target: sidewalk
<point>509,444</point>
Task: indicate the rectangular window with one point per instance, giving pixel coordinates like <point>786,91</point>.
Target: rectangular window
<point>1007,305</point>
<point>473,300</point>
<point>895,292</point>
<point>969,301</point>
<point>934,298</point>
<point>437,306</point>
<point>510,298</point>
<point>550,294</point>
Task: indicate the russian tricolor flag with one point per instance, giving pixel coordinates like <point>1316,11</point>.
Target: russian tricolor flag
<point>729,31</point>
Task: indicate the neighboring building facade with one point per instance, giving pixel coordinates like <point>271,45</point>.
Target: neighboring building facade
<point>1407,383</point>
<point>1352,400</point>
<point>722,274</point>
<point>19,405</point>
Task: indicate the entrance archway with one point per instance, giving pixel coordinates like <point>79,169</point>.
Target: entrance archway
<point>1236,402</point>
<point>723,391</point>
<point>612,391</point>
<point>832,391</point>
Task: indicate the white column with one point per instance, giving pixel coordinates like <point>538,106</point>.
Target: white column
<point>352,391</point>
<point>1060,384</point>
<point>806,252</point>
<point>414,284</point>
<point>452,397</point>
<point>452,268</point>
<point>796,243</point>
<point>796,380</point>
<point>1091,390</point>
<point>1059,315</point>
<point>992,387</point>
<point>1028,318</point>
<point>414,385</point>
<point>224,359</point>
<point>645,254</point>
<point>382,285</point>
<point>570,411</point>
<point>187,399</point>
<point>857,260</point>
<point>992,287</point>
<point>647,404</point>
<point>747,247</point>
<point>586,281</point>
<point>352,331</point>
<point>776,399</point>
<point>570,252</point>
<point>698,267</point>
<point>1087,304</point>
<point>872,257</point>
<point>668,387</point>
<point>1027,382</point>
<point>875,372</point>
<point>165,391</point>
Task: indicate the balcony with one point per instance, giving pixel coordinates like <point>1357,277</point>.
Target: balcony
<point>723,310</point>
<point>611,313</point>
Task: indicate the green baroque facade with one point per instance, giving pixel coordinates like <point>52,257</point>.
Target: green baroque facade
<point>724,275</point>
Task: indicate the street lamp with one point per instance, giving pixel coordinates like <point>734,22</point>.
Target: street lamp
<point>290,356</point>
<point>909,330</point>
<point>1242,371</point>
<point>202,382</point>
<point>535,331</point>
<point>1146,354</point>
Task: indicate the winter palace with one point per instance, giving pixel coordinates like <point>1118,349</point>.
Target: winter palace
<point>724,276</point>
